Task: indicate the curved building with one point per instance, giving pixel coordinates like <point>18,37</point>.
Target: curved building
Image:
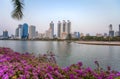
<point>25,31</point>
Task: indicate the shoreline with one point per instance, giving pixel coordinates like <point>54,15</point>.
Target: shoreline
<point>109,43</point>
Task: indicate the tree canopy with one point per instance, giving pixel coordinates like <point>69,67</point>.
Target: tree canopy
<point>17,12</point>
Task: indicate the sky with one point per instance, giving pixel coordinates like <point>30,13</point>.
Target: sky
<point>86,16</point>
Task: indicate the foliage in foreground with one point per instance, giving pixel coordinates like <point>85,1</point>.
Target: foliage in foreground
<point>14,65</point>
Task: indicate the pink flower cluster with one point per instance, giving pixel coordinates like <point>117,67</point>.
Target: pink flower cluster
<point>14,65</point>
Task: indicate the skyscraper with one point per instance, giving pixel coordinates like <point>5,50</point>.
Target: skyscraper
<point>64,26</point>
<point>111,32</point>
<point>119,29</point>
<point>25,31</point>
<point>5,34</point>
<point>17,32</point>
<point>20,31</point>
<point>32,31</point>
<point>110,27</point>
<point>68,27</point>
<point>52,29</point>
<point>59,29</point>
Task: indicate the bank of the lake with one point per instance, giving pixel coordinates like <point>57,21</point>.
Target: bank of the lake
<point>99,42</point>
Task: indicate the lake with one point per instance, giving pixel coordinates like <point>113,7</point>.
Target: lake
<point>70,53</point>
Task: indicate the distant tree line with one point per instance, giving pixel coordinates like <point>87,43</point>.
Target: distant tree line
<point>94,38</point>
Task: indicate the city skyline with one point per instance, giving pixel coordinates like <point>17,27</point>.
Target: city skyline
<point>87,16</point>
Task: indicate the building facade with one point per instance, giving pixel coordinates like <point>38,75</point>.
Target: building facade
<point>119,29</point>
<point>25,31</point>
<point>52,29</point>
<point>59,29</point>
<point>32,32</point>
<point>111,32</point>
<point>5,34</point>
<point>68,27</point>
<point>18,32</point>
<point>64,26</point>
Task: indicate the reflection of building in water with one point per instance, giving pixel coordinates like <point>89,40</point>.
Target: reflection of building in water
<point>64,54</point>
<point>110,56</point>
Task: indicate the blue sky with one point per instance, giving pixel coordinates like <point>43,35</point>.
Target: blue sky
<point>87,16</point>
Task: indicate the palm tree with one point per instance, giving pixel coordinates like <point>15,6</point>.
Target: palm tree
<point>17,13</point>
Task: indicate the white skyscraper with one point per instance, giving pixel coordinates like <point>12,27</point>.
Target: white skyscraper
<point>110,27</point>
<point>68,27</point>
<point>64,26</point>
<point>32,32</point>
<point>59,29</point>
<point>52,29</point>
<point>18,32</point>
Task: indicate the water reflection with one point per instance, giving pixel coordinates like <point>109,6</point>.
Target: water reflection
<point>63,50</point>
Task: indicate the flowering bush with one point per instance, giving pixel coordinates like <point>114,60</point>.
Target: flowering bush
<point>14,65</point>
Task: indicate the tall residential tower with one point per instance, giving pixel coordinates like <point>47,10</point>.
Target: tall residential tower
<point>59,29</point>
<point>25,31</point>
<point>68,27</point>
<point>52,29</point>
<point>111,32</point>
<point>32,32</point>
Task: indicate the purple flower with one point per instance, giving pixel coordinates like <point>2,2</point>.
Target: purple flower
<point>80,64</point>
<point>50,68</point>
<point>5,76</point>
<point>72,76</point>
<point>49,75</point>
<point>118,74</point>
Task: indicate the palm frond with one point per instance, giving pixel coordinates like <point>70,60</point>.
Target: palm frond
<point>17,13</point>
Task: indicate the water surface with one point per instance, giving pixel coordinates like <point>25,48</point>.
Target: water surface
<point>70,53</point>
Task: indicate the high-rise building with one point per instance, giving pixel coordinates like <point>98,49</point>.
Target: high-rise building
<point>5,34</point>
<point>119,29</point>
<point>68,27</point>
<point>25,31</point>
<point>117,33</point>
<point>52,29</point>
<point>32,32</point>
<point>36,34</point>
<point>64,26</point>
<point>105,35</point>
<point>110,27</point>
<point>59,29</point>
<point>18,32</point>
<point>111,32</point>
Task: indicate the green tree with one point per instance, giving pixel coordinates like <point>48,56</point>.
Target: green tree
<point>17,13</point>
